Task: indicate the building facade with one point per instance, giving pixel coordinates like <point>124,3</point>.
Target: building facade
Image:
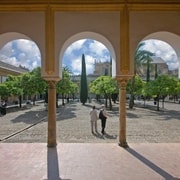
<point>8,69</point>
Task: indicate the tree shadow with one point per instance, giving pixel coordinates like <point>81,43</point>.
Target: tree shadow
<point>66,113</point>
<point>151,165</point>
<point>131,115</point>
<point>171,114</point>
<point>88,105</point>
<point>30,117</point>
<point>158,115</point>
<point>165,115</point>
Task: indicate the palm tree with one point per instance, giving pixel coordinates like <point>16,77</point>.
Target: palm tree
<point>141,57</point>
<point>147,59</point>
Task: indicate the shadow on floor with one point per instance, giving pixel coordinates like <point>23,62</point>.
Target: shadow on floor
<point>53,165</point>
<point>151,165</point>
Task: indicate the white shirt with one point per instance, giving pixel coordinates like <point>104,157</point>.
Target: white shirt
<point>93,115</point>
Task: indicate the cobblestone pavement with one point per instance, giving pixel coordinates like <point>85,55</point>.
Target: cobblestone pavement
<point>144,125</point>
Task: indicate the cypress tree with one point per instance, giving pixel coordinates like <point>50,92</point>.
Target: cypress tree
<point>83,88</point>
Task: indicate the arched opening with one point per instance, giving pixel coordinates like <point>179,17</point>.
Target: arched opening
<point>163,52</point>
<point>18,49</point>
<point>18,55</point>
<point>170,38</point>
<point>95,36</point>
<point>164,59</point>
<point>94,51</point>
<point>86,40</point>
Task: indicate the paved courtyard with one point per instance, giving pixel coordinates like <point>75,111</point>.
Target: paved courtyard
<point>144,125</point>
<point>153,138</point>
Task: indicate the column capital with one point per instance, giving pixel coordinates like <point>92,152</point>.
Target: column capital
<point>123,80</point>
<point>52,84</point>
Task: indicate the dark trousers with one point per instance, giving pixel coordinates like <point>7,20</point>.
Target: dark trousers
<point>103,124</point>
<point>3,111</point>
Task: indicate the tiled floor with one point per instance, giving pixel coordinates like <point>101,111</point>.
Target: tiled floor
<point>83,161</point>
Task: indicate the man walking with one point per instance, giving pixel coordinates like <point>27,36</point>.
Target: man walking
<point>103,116</point>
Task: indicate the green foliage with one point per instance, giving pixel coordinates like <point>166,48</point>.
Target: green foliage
<point>4,91</point>
<point>65,85</point>
<point>104,85</point>
<point>84,87</point>
<point>143,57</point>
<point>177,89</point>
<point>138,87</point>
<point>14,85</point>
<point>38,83</point>
<point>29,83</point>
<point>162,86</point>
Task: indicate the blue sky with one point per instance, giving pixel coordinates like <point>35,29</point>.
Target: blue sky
<point>25,53</point>
<point>92,50</point>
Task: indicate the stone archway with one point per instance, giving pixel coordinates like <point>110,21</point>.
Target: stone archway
<point>172,39</point>
<point>17,39</point>
<point>124,23</point>
<point>10,36</point>
<point>95,36</point>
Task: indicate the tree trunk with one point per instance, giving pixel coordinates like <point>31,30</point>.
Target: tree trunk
<point>110,103</point>
<point>20,101</point>
<point>131,100</point>
<point>158,103</point>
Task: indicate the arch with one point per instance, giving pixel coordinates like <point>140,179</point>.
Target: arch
<point>12,36</point>
<point>170,38</point>
<point>90,35</point>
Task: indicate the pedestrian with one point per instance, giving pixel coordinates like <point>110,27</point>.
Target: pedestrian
<point>103,116</point>
<point>3,107</point>
<point>93,119</point>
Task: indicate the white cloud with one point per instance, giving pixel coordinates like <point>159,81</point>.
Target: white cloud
<point>26,53</point>
<point>91,49</point>
<point>76,65</point>
<point>75,46</point>
<point>163,50</point>
<point>89,64</point>
<point>98,48</point>
<point>21,52</point>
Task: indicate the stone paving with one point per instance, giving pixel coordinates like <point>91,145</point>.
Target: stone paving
<point>153,138</point>
<point>144,125</point>
<point>89,161</point>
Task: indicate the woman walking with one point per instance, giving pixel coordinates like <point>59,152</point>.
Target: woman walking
<point>93,119</point>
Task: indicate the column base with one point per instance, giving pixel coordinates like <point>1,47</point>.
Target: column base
<point>123,144</point>
<point>51,145</point>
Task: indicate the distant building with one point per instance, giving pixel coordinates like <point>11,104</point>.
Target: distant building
<point>173,73</point>
<point>161,66</point>
<point>102,68</point>
<point>8,69</point>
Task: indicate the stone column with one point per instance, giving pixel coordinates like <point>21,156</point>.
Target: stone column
<point>52,113</point>
<point>122,111</point>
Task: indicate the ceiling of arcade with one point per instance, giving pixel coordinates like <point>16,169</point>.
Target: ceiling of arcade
<point>86,1</point>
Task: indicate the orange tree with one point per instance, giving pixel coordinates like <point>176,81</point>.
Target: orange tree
<point>106,86</point>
